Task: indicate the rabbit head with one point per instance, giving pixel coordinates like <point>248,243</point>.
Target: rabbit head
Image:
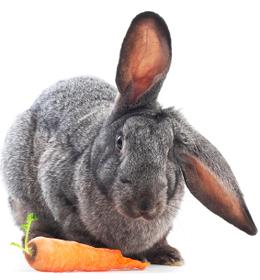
<point>143,152</point>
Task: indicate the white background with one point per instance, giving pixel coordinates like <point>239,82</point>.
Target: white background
<point>214,79</point>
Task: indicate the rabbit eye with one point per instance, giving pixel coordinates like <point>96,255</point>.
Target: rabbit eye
<point>119,142</point>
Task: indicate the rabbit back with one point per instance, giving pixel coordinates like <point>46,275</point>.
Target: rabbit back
<point>57,115</point>
<point>63,105</point>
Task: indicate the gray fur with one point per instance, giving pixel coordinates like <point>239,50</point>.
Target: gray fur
<point>47,170</point>
<point>60,162</point>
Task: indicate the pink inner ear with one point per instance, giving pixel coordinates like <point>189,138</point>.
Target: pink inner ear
<point>213,193</point>
<point>147,61</point>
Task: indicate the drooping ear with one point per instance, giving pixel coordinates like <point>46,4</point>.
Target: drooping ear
<point>209,177</point>
<point>145,58</point>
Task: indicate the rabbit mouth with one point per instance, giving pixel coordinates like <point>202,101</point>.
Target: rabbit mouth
<point>138,214</point>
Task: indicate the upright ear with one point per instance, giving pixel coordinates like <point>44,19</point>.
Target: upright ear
<point>145,58</point>
<point>209,177</point>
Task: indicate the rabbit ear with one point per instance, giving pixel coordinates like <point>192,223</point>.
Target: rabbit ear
<point>209,177</point>
<point>144,58</point>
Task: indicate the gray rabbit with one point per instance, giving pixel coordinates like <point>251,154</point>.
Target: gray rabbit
<point>107,167</point>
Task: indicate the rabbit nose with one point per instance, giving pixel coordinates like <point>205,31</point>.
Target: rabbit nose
<point>145,205</point>
<point>148,209</point>
<point>125,180</point>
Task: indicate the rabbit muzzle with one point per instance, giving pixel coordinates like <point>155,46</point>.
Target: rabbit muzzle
<point>140,201</point>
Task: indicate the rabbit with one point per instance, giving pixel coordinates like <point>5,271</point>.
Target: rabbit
<point>108,167</point>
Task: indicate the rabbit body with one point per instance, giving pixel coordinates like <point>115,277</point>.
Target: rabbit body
<point>51,144</point>
<point>107,167</point>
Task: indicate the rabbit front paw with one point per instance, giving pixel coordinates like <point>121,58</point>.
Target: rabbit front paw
<point>165,255</point>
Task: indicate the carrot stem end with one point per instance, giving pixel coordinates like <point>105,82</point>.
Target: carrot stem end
<point>26,228</point>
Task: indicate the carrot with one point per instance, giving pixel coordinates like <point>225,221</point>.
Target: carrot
<point>56,255</point>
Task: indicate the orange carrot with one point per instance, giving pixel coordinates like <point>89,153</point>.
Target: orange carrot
<point>56,255</point>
